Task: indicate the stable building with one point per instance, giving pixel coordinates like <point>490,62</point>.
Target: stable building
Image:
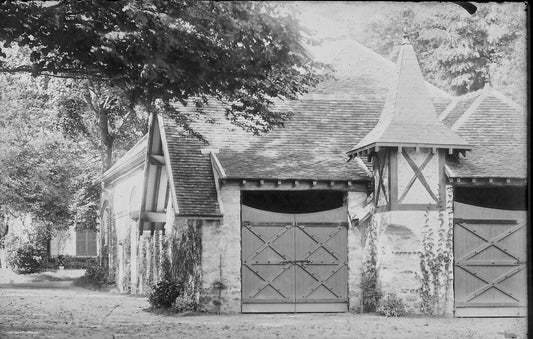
<point>279,222</point>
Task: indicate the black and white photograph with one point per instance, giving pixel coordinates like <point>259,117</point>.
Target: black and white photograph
<point>264,169</point>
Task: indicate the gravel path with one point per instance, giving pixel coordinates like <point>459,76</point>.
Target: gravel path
<point>59,310</point>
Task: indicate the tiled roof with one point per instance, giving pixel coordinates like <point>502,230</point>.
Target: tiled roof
<point>460,106</point>
<point>408,116</point>
<point>325,124</point>
<point>192,173</point>
<point>497,130</point>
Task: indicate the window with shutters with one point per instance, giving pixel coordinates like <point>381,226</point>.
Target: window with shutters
<point>86,243</point>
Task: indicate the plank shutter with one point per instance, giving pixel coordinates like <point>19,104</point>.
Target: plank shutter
<point>85,243</point>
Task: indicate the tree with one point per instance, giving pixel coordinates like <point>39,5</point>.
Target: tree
<point>93,112</point>
<point>163,53</point>
<point>458,51</point>
<point>42,173</point>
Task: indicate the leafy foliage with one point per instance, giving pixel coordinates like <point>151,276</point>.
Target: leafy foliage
<point>370,291</point>
<point>162,53</point>
<point>458,51</point>
<point>29,258</point>
<point>97,274</point>
<point>391,306</point>
<point>186,259</point>
<point>186,304</point>
<point>96,113</point>
<point>42,173</point>
<point>164,294</point>
<point>435,264</point>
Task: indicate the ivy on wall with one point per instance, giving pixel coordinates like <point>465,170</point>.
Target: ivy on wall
<point>187,259</point>
<point>369,288</point>
<point>435,261</point>
<point>126,278</point>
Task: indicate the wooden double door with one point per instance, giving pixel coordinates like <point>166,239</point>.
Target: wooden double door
<point>490,263</point>
<point>294,262</point>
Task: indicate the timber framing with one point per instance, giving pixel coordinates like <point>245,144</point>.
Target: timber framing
<point>295,184</point>
<point>370,151</point>
<point>482,181</point>
<point>455,180</point>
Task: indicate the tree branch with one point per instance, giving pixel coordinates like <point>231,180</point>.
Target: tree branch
<point>67,73</point>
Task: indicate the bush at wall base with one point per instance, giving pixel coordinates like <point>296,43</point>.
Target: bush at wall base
<point>391,306</point>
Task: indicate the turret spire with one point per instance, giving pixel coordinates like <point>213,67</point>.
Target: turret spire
<point>408,117</point>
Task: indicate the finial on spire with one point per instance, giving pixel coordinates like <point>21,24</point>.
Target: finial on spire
<point>405,40</point>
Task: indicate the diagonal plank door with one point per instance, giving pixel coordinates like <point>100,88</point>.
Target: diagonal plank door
<point>267,248</point>
<point>490,262</point>
<point>322,267</point>
<point>294,263</point>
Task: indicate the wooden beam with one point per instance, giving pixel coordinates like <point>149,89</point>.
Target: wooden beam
<point>158,160</point>
<point>154,217</point>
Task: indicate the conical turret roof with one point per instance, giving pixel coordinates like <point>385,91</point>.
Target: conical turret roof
<point>408,118</point>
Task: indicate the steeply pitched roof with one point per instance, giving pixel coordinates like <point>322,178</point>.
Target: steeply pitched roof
<point>497,130</point>
<point>194,182</point>
<point>409,117</point>
<point>326,121</point>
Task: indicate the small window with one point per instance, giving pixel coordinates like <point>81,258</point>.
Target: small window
<point>86,243</point>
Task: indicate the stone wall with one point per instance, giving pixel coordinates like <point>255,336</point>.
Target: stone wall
<point>221,255</point>
<point>400,235</point>
<point>356,202</point>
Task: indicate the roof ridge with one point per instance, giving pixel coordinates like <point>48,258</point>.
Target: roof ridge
<point>470,110</point>
<point>448,109</point>
<point>469,94</point>
<point>441,91</point>
<point>505,99</point>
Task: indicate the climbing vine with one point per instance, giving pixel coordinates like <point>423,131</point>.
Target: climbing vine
<point>435,261</point>
<point>126,278</point>
<point>371,294</point>
<point>186,261</point>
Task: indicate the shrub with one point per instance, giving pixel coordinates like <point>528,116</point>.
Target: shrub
<point>371,294</point>
<point>96,274</point>
<point>391,306</point>
<point>27,259</point>
<point>164,294</point>
<point>185,304</point>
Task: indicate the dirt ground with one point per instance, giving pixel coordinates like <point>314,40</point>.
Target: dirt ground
<point>50,306</point>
